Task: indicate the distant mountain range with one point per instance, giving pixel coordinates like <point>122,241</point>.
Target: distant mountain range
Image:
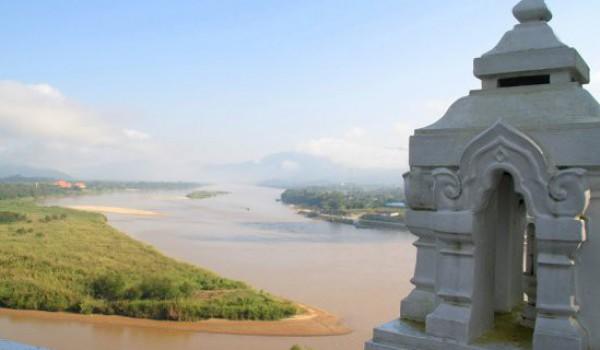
<point>284,170</point>
<point>13,170</point>
<point>291,169</point>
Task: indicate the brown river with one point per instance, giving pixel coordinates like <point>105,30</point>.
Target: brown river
<point>359,275</point>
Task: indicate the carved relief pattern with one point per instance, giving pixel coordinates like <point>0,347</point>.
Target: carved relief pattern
<point>501,149</point>
<point>569,192</point>
<point>447,188</point>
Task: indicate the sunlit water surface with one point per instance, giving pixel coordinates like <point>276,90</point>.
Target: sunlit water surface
<point>358,274</point>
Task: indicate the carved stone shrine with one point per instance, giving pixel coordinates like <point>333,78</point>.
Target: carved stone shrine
<point>503,197</point>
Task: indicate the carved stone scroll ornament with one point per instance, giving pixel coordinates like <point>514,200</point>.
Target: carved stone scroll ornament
<point>504,149</point>
<point>569,192</point>
<point>447,188</point>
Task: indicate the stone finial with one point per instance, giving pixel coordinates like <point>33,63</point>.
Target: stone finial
<point>532,11</point>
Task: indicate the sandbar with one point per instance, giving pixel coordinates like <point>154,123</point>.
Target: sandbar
<point>313,323</point>
<point>113,210</point>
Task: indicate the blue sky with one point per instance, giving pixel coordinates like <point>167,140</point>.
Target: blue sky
<point>216,81</point>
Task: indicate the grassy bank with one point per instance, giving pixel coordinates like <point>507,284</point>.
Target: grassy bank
<point>57,259</point>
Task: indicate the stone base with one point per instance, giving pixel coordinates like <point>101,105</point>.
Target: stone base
<point>401,335</point>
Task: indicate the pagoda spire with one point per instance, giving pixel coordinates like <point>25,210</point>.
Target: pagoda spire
<point>532,11</point>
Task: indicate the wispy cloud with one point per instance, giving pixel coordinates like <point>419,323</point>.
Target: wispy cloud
<point>41,126</point>
<point>40,110</point>
<point>136,134</point>
<point>358,149</point>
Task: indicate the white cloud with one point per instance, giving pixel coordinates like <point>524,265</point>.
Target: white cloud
<point>42,111</point>
<point>355,133</point>
<point>356,150</point>
<point>41,126</point>
<point>136,134</point>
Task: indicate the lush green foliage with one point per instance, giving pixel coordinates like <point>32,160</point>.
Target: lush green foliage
<point>66,260</point>
<point>7,217</point>
<point>339,199</point>
<point>23,190</point>
<point>103,186</point>
<point>205,194</point>
<point>20,187</point>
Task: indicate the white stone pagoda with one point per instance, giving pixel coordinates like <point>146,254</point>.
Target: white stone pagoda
<point>504,199</point>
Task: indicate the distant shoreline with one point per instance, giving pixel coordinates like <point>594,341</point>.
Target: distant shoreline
<point>312,323</point>
<point>354,220</point>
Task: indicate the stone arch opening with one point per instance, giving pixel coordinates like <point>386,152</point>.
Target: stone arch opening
<point>500,236</point>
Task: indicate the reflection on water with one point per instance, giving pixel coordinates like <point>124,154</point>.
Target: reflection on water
<point>357,274</point>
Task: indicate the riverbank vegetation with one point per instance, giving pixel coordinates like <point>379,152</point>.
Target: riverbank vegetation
<point>205,194</point>
<point>57,259</point>
<point>23,187</point>
<point>338,199</point>
<point>362,206</point>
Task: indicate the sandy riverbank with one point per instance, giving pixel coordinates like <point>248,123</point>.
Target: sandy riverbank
<point>312,323</point>
<point>113,210</point>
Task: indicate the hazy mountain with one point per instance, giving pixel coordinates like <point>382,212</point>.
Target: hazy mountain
<point>298,169</point>
<point>19,170</point>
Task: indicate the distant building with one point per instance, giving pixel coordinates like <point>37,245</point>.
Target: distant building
<point>63,184</point>
<point>400,205</point>
<point>80,185</point>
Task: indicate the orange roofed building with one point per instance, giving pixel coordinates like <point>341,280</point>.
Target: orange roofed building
<point>63,184</point>
<point>66,184</point>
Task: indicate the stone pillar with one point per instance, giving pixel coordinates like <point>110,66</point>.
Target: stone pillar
<point>452,318</point>
<point>422,300</point>
<point>557,327</point>
<point>528,315</point>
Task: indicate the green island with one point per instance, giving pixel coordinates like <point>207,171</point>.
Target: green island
<point>361,206</point>
<point>205,194</point>
<point>58,259</point>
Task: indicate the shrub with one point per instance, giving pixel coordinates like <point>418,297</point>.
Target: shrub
<point>161,288</point>
<point>7,217</point>
<point>110,286</point>
<point>89,306</point>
